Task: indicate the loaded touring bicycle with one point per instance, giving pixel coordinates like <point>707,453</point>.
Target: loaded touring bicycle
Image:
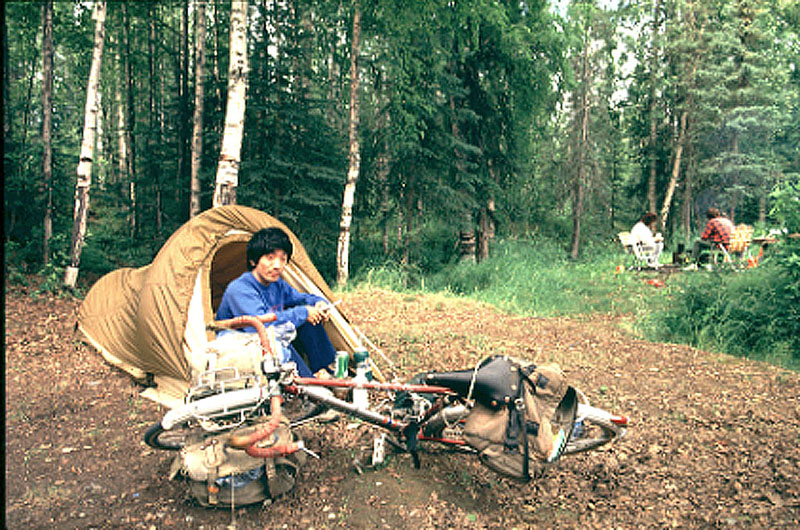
<point>235,407</point>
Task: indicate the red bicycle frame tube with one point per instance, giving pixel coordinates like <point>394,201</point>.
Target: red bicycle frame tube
<point>395,387</point>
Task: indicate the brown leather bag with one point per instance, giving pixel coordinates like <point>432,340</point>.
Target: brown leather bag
<point>519,438</point>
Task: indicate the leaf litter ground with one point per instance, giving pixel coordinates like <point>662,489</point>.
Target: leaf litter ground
<point>714,442</point>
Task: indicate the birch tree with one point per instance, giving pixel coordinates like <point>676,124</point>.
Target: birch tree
<point>47,125</point>
<point>343,246</point>
<point>84,170</point>
<point>228,167</point>
<point>197,132</point>
<point>688,52</point>
<point>654,52</point>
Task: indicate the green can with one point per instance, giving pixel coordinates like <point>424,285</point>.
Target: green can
<point>361,359</point>
<point>342,364</point>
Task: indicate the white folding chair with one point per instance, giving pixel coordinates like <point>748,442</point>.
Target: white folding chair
<point>642,257</point>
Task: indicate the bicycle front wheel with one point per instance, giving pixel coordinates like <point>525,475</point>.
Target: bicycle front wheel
<point>168,440</point>
<point>593,429</point>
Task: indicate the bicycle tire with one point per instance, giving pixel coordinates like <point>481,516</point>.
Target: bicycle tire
<point>598,430</point>
<point>166,440</point>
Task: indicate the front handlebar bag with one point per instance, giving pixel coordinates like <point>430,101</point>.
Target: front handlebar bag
<point>220,477</point>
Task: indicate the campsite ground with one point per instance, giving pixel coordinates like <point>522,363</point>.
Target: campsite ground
<point>715,440</point>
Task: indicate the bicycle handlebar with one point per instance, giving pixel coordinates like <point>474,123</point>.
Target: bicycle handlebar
<point>249,320</point>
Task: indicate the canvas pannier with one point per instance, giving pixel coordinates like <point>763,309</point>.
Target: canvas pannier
<point>515,436</point>
<point>221,476</point>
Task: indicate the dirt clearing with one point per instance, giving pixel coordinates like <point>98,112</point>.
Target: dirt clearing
<point>714,442</point>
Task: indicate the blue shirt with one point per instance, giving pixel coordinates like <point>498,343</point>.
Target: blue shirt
<point>247,296</point>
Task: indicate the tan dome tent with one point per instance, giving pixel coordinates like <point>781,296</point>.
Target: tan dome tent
<point>152,320</point>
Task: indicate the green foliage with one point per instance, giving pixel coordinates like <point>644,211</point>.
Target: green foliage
<point>753,314</point>
<point>786,209</point>
<point>389,275</point>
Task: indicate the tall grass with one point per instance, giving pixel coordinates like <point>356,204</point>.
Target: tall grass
<point>533,279</point>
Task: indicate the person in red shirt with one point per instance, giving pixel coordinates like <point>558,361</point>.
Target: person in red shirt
<point>717,232</point>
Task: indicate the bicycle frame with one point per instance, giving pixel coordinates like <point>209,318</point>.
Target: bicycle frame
<point>225,410</point>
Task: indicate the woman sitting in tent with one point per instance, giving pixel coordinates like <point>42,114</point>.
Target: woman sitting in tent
<point>261,290</point>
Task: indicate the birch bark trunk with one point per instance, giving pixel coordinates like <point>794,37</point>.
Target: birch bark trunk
<point>84,171</point>
<point>343,246</point>
<point>230,154</point>
<point>676,168</point>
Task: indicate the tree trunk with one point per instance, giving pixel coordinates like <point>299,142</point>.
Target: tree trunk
<point>734,187</point>
<point>230,155</point>
<point>182,73</point>
<point>583,146</point>
<point>688,183</point>
<point>343,246</point>
<point>47,125</point>
<point>486,224</point>
<point>130,145</point>
<point>651,181</point>
<point>87,149</point>
<point>409,219</point>
<point>122,146</point>
<point>197,131</point>
<point>154,136</point>
<point>26,112</point>
<point>676,167</point>
<point>577,213</point>
<point>6,83</point>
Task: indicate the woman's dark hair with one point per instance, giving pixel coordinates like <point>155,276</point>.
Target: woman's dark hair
<point>712,213</point>
<point>648,218</point>
<point>266,241</point>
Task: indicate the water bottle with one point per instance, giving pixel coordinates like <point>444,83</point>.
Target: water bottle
<point>360,395</point>
<point>361,357</point>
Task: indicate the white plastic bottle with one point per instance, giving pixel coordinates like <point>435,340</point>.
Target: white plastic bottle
<point>360,395</point>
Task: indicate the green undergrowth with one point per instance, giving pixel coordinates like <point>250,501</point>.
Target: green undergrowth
<point>534,279</point>
<point>752,313</point>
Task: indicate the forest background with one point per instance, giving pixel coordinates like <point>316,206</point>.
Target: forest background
<point>491,148</point>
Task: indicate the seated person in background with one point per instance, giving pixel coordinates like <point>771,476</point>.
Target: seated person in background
<point>642,232</point>
<point>261,290</point>
<point>717,232</point>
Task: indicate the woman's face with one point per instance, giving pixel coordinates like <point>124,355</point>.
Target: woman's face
<point>270,266</point>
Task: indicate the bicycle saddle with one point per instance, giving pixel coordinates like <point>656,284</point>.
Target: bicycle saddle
<point>496,381</point>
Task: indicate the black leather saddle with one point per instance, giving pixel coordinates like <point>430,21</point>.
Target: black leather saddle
<point>496,381</point>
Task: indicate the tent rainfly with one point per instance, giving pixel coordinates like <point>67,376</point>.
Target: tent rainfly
<point>151,321</point>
